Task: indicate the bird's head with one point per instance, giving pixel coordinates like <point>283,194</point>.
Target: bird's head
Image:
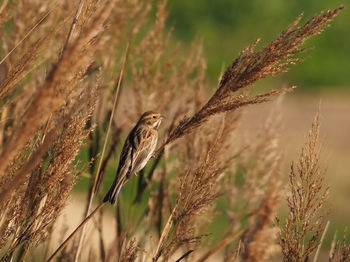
<point>151,119</point>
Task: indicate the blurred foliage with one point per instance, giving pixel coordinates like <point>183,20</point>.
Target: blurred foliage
<point>227,26</point>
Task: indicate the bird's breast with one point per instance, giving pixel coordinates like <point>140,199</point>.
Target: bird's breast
<point>150,153</point>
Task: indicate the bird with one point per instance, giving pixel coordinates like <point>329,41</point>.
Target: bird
<point>138,148</point>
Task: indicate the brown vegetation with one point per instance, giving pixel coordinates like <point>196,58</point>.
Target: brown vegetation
<point>63,65</point>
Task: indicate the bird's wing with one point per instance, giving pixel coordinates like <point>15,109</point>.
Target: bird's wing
<point>125,160</point>
<point>144,145</point>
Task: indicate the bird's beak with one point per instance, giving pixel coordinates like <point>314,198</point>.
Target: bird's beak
<point>162,117</point>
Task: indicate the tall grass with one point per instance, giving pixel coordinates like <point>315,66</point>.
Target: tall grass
<point>59,90</point>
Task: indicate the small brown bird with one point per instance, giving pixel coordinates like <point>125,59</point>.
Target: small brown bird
<point>137,150</point>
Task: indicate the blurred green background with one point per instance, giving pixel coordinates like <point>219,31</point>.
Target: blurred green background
<point>226,26</point>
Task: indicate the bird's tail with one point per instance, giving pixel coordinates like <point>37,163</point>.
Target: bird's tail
<point>113,192</point>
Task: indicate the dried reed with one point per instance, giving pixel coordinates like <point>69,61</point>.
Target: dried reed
<point>300,234</point>
<point>251,66</point>
<point>340,251</point>
<point>46,114</point>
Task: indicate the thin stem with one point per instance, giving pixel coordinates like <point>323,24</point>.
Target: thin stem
<point>164,235</point>
<point>321,241</point>
<point>72,26</point>
<point>26,35</point>
<point>223,243</point>
<point>184,255</point>
<point>46,255</point>
<point>97,176</point>
<point>70,237</point>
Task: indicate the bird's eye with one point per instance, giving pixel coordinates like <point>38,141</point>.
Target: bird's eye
<point>154,117</point>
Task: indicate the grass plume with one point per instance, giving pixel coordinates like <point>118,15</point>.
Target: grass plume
<point>65,111</point>
<point>301,232</point>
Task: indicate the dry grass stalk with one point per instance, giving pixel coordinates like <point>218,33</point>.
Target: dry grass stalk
<point>71,29</point>
<point>321,241</point>
<point>253,190</point>
<point>259,237</point>
<point>17,73</point>
<point>197,186</point>
<point>184,255</point>
<point>203,159</point>
<point>251,66</point>
<point>77,229</point>
<point>129,254</point>
<point>154,67</point>
<point>27,44</point>
<point>46,199</point>
<point>300,234</point>
<point>260,199</point>
<point>340,251</point>
<point>26,36</point>
<point>35,159</point>
<point>108,129</point>
<point>56,89</point>
<point>219,246</point>
<point>48,188</point>
<point>98,172</point>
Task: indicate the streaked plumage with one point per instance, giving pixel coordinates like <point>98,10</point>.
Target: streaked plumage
<point>137,150</point>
